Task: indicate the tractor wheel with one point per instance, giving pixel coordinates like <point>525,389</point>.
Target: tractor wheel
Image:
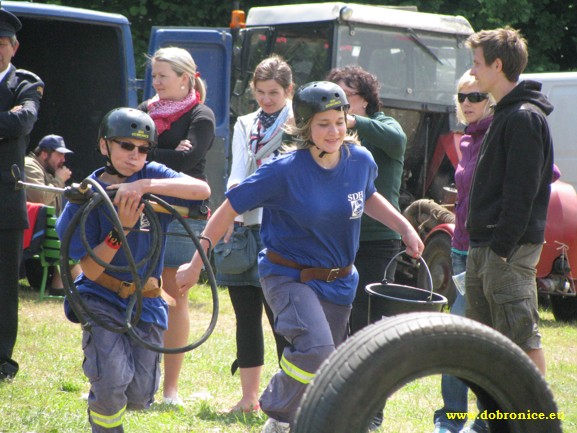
<point>437,255</point>
<point>355,382</point>
<point>564,307</point>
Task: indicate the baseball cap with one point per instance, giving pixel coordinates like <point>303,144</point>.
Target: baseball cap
<point>9,24</point>
<point>54,142</point>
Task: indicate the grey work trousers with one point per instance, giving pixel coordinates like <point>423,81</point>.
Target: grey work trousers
<point>313,328</point>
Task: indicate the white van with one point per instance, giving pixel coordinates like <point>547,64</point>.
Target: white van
<point>561,89</point>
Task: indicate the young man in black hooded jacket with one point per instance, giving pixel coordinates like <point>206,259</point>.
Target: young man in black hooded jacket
<point>510,193</point>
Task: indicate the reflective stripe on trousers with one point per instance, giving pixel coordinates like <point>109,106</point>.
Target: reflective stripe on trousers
<point>313,328</point>
<point>108,421</point>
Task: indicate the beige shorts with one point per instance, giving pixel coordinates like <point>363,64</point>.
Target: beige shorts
<point>503,294</point>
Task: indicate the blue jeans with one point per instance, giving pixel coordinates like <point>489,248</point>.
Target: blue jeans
<point>454,391</point>
<point>179,247</point>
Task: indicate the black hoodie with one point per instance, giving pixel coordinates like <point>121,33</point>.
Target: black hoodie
<point>511,186</point>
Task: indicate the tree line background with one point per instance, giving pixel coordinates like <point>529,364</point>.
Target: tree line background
<point>550,26</point>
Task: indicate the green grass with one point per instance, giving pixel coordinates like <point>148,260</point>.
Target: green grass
<point>45,397</point>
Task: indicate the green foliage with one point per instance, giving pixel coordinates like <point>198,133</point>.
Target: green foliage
<point>550,26</point>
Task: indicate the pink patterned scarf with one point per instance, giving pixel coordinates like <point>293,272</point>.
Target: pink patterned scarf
<point>164,112</point>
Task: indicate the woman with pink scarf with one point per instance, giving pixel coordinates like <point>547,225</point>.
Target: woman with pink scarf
<point>185,134</point>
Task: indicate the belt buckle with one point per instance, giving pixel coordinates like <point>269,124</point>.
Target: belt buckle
<point>126,289</point>
<point>333,275</point>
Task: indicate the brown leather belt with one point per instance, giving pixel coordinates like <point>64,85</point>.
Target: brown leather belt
<point>126,288</point>
<point>307,273</point>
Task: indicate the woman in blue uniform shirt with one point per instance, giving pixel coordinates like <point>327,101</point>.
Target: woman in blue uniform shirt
<point>313,198</point>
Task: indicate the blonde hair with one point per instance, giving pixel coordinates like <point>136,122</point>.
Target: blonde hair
<point>468,80</point>
<point>181,62</point>
<point>301,137</point>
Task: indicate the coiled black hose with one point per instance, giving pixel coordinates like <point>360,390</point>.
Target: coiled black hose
<point>101,197</point>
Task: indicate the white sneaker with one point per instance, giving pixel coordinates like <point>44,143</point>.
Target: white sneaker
<point>173,401</point>
<point>274,426</point>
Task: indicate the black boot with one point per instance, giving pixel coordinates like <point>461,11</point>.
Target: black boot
<point>8,369</point>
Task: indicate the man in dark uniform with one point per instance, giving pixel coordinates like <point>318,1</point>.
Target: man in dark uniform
<point>20,94</point>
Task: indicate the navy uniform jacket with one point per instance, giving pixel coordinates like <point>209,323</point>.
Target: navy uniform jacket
<point>19,87</point>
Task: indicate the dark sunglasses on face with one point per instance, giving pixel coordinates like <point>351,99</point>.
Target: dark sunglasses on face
<point>473,97</point>
<point>128,146</point>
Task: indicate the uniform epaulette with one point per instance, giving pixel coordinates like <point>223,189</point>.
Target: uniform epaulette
<point>31,76</point>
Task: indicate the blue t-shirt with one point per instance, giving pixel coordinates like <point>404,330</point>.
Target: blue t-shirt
<point>99,224</point>
<point>311,215</point>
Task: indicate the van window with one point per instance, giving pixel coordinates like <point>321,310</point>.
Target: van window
<point>83,69</point>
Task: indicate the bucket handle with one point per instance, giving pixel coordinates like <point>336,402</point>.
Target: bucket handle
<point>430,279</point>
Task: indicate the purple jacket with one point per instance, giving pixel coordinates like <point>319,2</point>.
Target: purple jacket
<point>470,145</point>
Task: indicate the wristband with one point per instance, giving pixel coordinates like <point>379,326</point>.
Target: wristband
<point>209,240</point>
<point>113,239</point>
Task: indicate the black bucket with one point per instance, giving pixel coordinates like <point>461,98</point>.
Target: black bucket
<point>387,299</point>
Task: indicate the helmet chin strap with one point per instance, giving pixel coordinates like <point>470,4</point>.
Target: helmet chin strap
<point>109,166</point>
<point>323,153</point>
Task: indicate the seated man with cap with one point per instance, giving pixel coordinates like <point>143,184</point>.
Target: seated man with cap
<point>20,95</point>
<point>45,166</point>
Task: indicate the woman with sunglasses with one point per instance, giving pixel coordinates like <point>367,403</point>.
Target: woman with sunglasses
<point>475,110</point>
<point>185,134</point>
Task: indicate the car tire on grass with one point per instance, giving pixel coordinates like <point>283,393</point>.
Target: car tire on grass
<point>356,380</point>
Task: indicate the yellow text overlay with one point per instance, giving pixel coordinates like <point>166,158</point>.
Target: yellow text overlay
<point>485,415</point>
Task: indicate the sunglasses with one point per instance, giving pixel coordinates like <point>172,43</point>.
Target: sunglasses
<point>474,97</point>
<point>128,146</point>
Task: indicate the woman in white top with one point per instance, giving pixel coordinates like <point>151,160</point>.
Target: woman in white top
<point>257,138</point>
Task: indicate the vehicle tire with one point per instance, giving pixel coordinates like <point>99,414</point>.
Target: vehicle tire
<point>564,307</point>
<point>356,380</point>
<point>437,255</point>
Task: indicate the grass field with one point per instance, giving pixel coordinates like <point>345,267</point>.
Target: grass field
<point>45,397</point>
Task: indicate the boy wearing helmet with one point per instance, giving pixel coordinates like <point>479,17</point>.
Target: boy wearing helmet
<point>312,199</point>
<point>123,375</point>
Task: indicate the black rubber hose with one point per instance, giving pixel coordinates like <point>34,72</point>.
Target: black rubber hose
<point>102,197</point>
